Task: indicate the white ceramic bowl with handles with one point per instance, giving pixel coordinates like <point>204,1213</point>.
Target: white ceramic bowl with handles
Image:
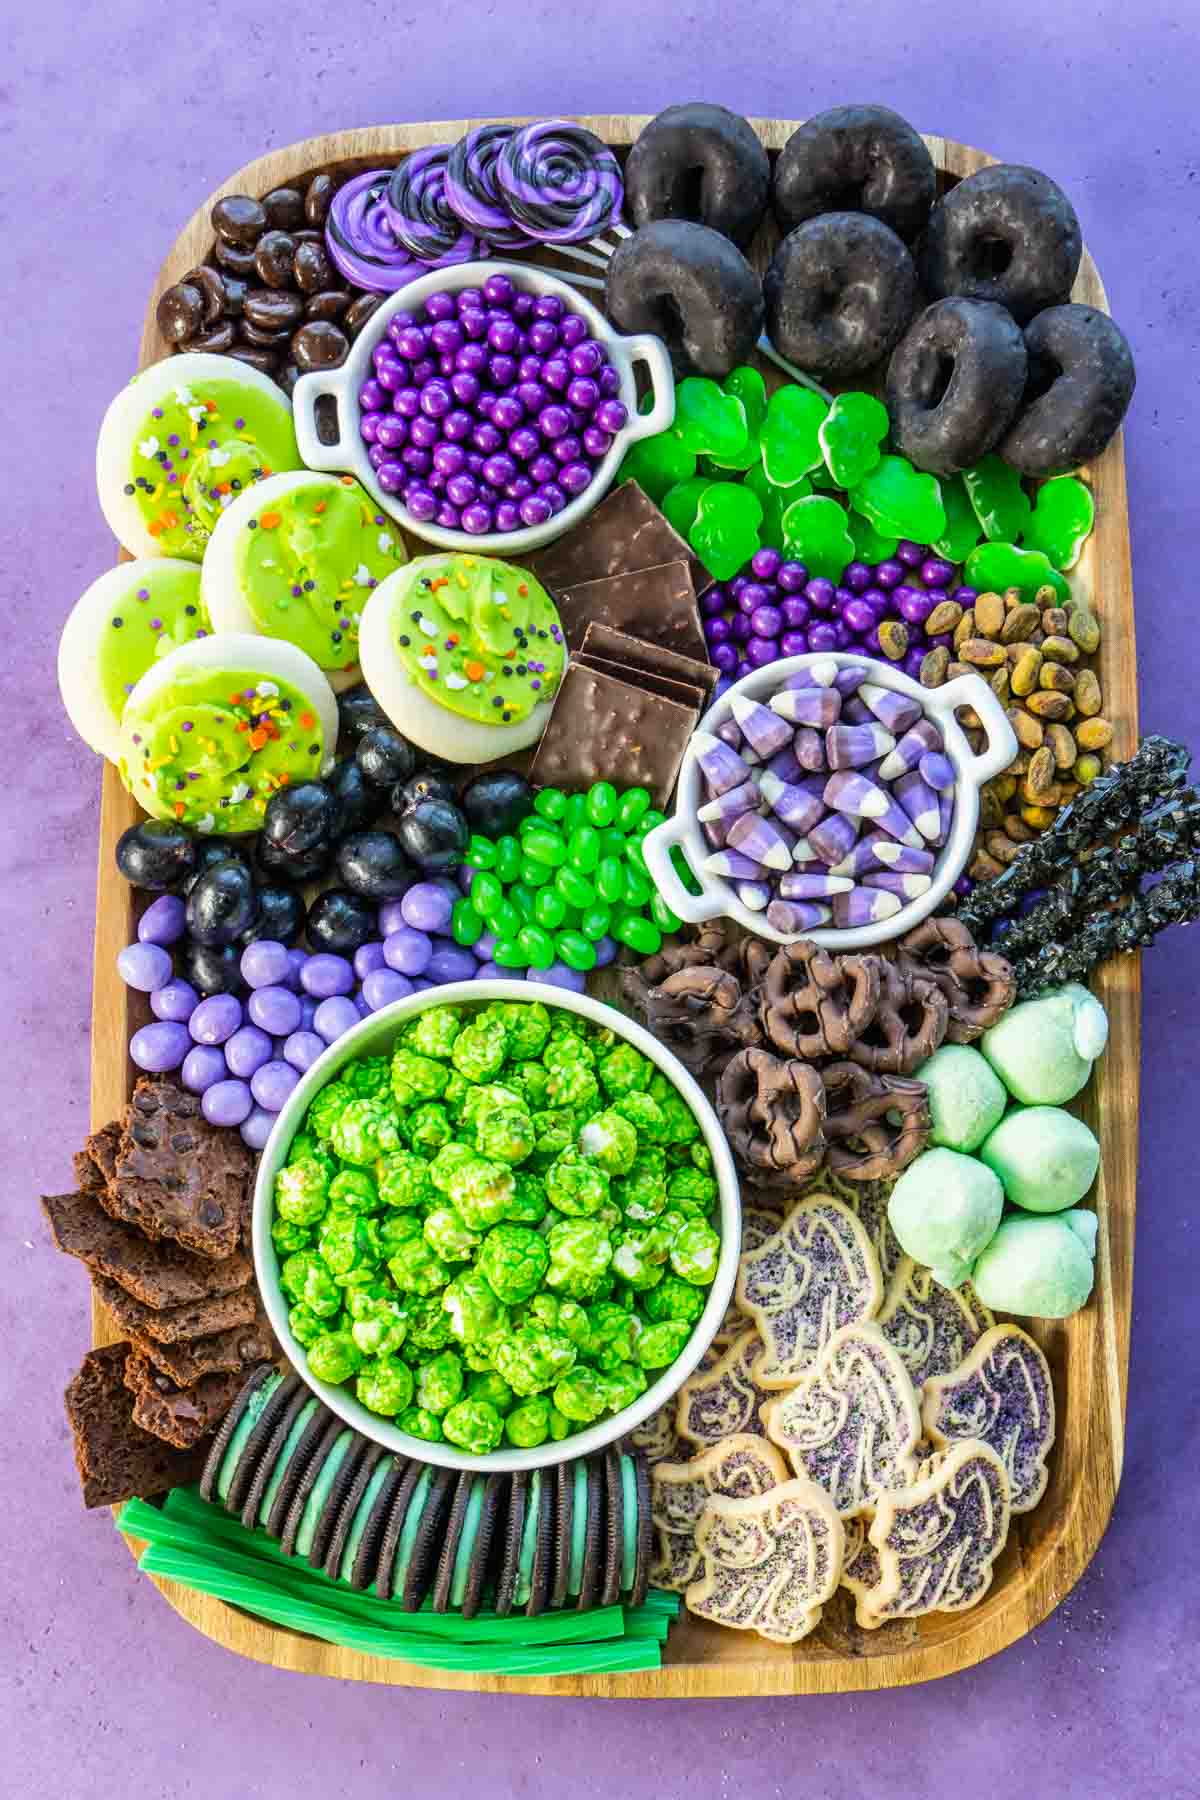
<point>348,454</point>
<point>719,898</point>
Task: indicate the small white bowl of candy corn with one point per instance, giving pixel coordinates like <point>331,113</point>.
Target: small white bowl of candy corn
<point>829,797</point>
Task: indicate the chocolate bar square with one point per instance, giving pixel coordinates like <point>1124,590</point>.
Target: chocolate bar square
<point>602,729</point>
<point>680,691</point>
<point>654,659</point>
<point>626,531</point>
<point>657,605</point>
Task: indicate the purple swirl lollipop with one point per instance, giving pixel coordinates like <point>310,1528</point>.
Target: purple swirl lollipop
<point>559,182</point>
<point>472,189</point>
<point>420,215</point>
<point>359,236</point>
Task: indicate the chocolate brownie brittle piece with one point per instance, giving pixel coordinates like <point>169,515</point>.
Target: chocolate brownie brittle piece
<point>178,1324</point>
<point>116,1459</point>
<point>224,1352</point>
<point>178,1415</point>
<point>158,1274</point>
<point>95,1163</point>
<point>176,1175</point>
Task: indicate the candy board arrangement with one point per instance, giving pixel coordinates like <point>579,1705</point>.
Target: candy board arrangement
<point>735,1493</point>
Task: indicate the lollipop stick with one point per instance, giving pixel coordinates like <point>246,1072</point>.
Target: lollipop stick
<point>766,348</point>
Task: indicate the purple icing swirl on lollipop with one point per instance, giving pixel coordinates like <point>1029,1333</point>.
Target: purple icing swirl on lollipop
<point>420,214</point>
<point>359,236</point>
<point>472,190</point>
<point>559,182</point>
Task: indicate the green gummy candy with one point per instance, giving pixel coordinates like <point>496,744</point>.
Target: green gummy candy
<point>870,546</point>
<point>1046,1158</point>
<point>791,443</point>
<point>774,502</point>
<point>658,464</point>
<point>998,500</point>
<point>681,504</point>
<point>944,1211</point>
<point>994,567</point>
<point>851,436</point>
<point>707,421</point>
<point>747,386</point>
<point>900,500</point>
<point>814,531</point>
<point>1063,515</point>
<point>1040,1266</point>
<point>726,530</point>
<point>966,1097</point>
<point>962,527</point>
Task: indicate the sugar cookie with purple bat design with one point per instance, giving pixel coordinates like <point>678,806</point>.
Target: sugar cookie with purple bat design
<point>725,1399</point>
<point>740,1468</point>
<point>931,1327</point>
<point>937,1541</point>
<point>770,1562</point>
<point>815,1276</point>
<point>1002,1394</point>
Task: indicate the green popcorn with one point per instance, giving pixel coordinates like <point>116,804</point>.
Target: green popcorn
<point>700,1156</point>
<point>625,1071</point>
<point>526,1023</point>
<point>529,1203</point>
<point>364,1131</point>
<point>612,1329</point>
<point>428,1128</point>
<point>378,1328</point>
<point>660,1344</point>
<point>405,1180</point>
<point>573,1322</point>
<point>513,1260</point>
<point>543,1309</point>
<point>416,1078</point>
<point>442,1171</point>
<point>666,1229</point>
<point>575,1185</point>
<point>528,1425</point>
<point>416,1269</point>
<point>440,1381</point>
<point>680,1120</point>
<point>306,1325</point>
<point>674,1298</point>
<point>580,1252</point>
<point>355,1190</point>
<point>367,1077</point>
<point>480,1048</point>
<point>302,1192</point>
<point>691,1189</point>
<point>506,1135</point>
<point>385,1385</point>
<point>582,1395</point>
<point>303,1145</point>
<point>611,1141</point>
<point>480,1101</point>
<point>480,1357</point>
<point>553,1132</point>
<point>448,1237</point>
<point>421,1424</point>
<point>327,1108</point>
<point>473,1425</point>
<point>428,1325</point>
<point>334,1357</point>
<point>480,1192</point>
<point>395,1229</point>
<point>533,1359</point>
<point>287,1237</point>
<point>573,1084</point>
<point>473,1310</point>
<point>305,1278</point>
<point>638,1259</point>
<point>485,1384</point>
<point>695,1252</point>
<point>622,1384</point>
<point>566,1044</point>
<point>348,1244</point>
<point>643,1193</point>
<point>455,1093</point>
<point>434,1032</point>
<point>530,1080</point>
<point>644,1114</point>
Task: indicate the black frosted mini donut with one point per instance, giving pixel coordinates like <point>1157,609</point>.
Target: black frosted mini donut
<point>692,288</point>
<point>703,163</point>
<point>955,382</point>
<point>840,291</point>
<point>1081,380</point>
<point>1007,234</point>
<point>856,159</point>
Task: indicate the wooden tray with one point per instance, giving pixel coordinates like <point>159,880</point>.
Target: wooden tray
<point>1089,1354</point>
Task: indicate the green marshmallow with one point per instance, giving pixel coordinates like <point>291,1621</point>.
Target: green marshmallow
<point>1043,1049</point>
<point>1045,1158</point>
<point>944,1210</point>
<point>1039,1266</point>
<point>966,1099</point>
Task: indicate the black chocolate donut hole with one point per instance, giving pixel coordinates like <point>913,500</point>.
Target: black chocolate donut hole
<point>703,163</point>
<point>692,288</point>
<point>955,382</point>
<point>856,159</point>
<point>840,291</point>
<point>1081,380</point>
<point>1007,234</point>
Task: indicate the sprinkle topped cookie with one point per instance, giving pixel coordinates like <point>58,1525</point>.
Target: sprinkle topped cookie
<point>817,1274</point>
<point>715,1403</point>
<point>740,1467</point>
<point>771,1561</point>
<point>852,1424</point>
<point>932,1327</point>
<point>1002,1394</point>
<point>937,1540</point>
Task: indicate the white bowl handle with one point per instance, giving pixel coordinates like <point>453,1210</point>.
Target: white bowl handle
<point>656,848</point>
<point>653,352</point>
<point>1002,746</point>
<point>314,454</point>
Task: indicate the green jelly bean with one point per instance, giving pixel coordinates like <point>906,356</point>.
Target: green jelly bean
<point>549,908</point>
<point>504,919</point>
<point>594,922</point>
<point>636,856</point>
<point>537,945</point>
<point>523,898</point>
<point>601,803</point>
<point>640,934</point>
<point>576,813</point>
<point>612,843</point>
<point>662,915</point>
<point>508,858</point>
<point>535,874</point>
<point>583,848</point>
<point>575,890</point>
<point>466,924</point>
<point>575,950</point>
<point>632,804</point>
<point>551,803</point>
<point>546,845</point>
<point>638,888</point>
<point>486,892</point>
<point>509,954</point>
<point>480,853</point>
<point>648,821</point>
<point>610,879</point>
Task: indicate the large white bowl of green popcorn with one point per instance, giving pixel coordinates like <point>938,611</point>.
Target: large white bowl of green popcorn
<point>496,1226</point>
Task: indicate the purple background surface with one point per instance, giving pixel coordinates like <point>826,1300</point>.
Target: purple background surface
<point>116,120</point>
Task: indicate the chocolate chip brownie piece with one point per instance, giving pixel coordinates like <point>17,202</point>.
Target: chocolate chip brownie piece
<point>177,1176</point>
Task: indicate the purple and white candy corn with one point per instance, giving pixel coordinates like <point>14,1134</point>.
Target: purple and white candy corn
<point>918,741</point>
<point>908,887</point>
<point>863,906</point>
<point>809,746</point>
<point>856,712</point>
<point>892,855</point>
<point>729,733</point>
<point>848,680</point>
<point>819,706</point>
<point>937,769</point>
<point>720,766</point>
<point>787,915</point>
<point>734,866</point>
<point>920,803</point>
<point>785,764</point>
<point>852,746</point>
<point>803,852</point>
<point>793,804</point>
<point>833,838</point>
<point>755,896</point>
<point>732,804</point>
<point>761,841</point>
<point>849,792</point>
<point>894,710</point>
<point>714,833</point>
<point>763,730</point>
<point>945,815</point>
<point>812,887</point>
